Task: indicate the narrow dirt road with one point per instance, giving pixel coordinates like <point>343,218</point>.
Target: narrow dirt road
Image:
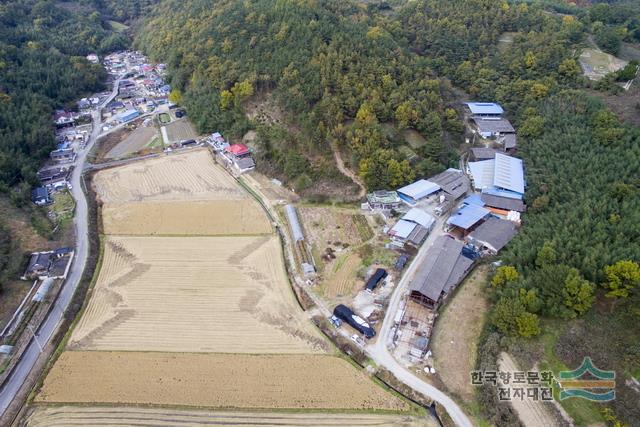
<point>530,412</point>
<point>348,172</point>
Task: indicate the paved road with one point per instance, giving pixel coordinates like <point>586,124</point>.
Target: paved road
<point>50,325</point>
<point>379,351</point>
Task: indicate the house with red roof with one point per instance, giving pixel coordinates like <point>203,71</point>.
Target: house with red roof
<point>240,156</point>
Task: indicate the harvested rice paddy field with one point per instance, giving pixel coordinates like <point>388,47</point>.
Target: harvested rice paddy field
<point>189,176</point>
<point>238,381</point>
<point>68,415</point>
<point>197,294</point>
<point>192,307</point>
<point>202,217</point>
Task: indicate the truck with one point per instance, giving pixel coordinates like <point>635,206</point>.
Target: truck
<point>358,323</point>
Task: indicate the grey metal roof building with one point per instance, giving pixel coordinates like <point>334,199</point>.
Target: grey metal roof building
<point>493,234</point>
<point>493,125</point>
<point>506,203</point>
<point>444,267</point>
<point>453,182</point>
<point>483,153</point>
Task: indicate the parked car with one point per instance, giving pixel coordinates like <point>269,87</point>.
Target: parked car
<point>180,113</point>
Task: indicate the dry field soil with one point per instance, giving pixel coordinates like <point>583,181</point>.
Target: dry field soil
<point>134,142</point>
<point>457,332</point>
<point>180,130</point>
<point>64,416</point>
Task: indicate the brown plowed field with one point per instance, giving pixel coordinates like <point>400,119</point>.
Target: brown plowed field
<point>213,380</point>
<point>196,294</point>
<point>203,218</point>
<point>63,416</point>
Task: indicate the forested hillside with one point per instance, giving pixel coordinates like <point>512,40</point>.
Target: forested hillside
<point>341,76</point>
<point>42,67</point>
<point>577,247</point>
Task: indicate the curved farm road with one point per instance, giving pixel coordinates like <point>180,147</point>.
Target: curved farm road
<point>348,172</point>
<point>379,351</point>
<point>49,326</point>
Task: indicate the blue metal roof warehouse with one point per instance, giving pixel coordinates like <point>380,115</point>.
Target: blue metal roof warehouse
<point>418,190</point>
<point>468,216</point>
<point>485,108</point>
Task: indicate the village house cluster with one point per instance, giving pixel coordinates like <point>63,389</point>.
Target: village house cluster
<point>141,90</point>
<point>470,213</point>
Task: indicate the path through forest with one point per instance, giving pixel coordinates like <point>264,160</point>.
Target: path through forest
<point>348,172</point>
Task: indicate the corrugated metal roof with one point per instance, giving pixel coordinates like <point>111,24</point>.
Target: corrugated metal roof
<point>509,173</point>
<point>483,153</point>
<point>467,216</point>
<point>452,181</point>
<point>419,189</point>
<point>494,232</point>
<point>292,217</point>
<point>494,191</point>
<point>419,217</point>
<point>474,199</point>
<point>482,173</point>
<point>402,229</point>
<point>494,125</point>
<point>444,267</point>
<point>506,203</point>
<point>485,108</point>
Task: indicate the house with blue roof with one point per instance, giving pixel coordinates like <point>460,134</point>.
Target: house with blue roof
<point>485,109</point>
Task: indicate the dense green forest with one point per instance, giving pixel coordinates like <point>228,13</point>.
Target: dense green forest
<point>43,67</point>
<point>342,77</point>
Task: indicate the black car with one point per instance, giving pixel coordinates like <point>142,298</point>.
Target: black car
<point>180,113</point>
